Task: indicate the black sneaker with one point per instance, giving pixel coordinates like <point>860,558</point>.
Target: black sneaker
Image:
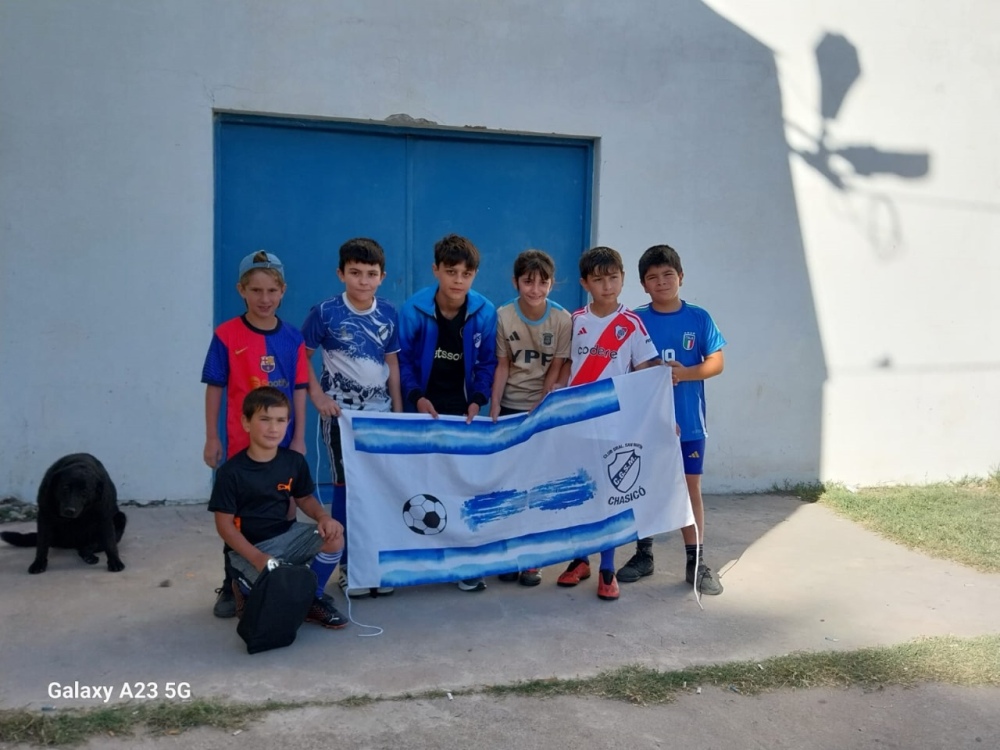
<point>530,577</point>
<point>225,602</point>
<point>508,577</point>
<point>638,566</point>
<point>322,612</point>
<point>707,582</point>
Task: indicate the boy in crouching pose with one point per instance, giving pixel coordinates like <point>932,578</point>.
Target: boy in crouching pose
<point>250,502</point>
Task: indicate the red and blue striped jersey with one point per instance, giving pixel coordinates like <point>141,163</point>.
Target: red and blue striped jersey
<point>241,358</point>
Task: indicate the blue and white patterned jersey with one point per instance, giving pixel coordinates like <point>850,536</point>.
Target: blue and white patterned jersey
<point>354,344</point>
<point>687,336</point>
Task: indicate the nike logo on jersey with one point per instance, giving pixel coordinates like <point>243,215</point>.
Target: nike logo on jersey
<point>238,352</point>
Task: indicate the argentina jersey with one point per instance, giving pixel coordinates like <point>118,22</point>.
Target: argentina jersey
<point>354,344</point>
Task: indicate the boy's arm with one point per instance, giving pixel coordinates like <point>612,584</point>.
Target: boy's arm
<point>327,527</point>
<point>212,453</point>
<point>648,363</point>
<point>326,406</point>
<point>499,383</point>
<point>484,368</point>
<point>395,391</point>
<point>709,367</point>
<point>410,340</point>
<point>225,524</point>
<point>298,443</point>
<point>553,376</point>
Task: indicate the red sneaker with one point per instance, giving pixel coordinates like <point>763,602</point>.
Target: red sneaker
<point>607,586</point>
<point>578,570</point>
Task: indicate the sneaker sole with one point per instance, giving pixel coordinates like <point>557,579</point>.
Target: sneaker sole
<point>624,577</point>
<point>228,613</point>
<point>570,584</point>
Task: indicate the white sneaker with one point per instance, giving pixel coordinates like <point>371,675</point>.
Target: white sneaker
<point>353,593</point>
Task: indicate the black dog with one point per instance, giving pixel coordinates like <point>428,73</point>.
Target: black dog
<point>77,509</point>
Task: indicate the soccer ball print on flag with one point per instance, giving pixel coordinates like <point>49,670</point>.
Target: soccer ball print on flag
<point>593,466</point>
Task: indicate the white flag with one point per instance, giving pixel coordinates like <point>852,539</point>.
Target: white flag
<point>592,467</point>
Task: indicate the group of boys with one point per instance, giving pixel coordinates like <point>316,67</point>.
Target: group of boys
<point>448,351</point>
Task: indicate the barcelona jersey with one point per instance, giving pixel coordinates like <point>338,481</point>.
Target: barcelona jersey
<point>242,358</point>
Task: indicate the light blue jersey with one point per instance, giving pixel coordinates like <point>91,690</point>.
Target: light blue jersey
<point>687,336</point>
<point>354,344</point>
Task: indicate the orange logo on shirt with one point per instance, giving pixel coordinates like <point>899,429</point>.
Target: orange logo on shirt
<point>286,487</point>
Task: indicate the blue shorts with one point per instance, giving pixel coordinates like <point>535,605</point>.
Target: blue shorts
<point>693,452</point>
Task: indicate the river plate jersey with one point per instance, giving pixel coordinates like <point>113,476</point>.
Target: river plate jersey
<point>687,336</point>
<point>608,346</point>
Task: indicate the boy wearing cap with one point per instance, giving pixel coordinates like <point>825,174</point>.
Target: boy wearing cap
<point>246,352</point>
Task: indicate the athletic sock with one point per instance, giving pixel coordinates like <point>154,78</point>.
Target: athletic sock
<point>323,565</point>
<point>693,549</point>
<point>608,559</point>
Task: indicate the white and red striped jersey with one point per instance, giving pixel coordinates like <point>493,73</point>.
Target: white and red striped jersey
<point>608,346</point>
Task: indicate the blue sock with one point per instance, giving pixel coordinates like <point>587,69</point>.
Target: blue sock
<point>608,559</point>
<point>338,509</point>
<point>323,565</point>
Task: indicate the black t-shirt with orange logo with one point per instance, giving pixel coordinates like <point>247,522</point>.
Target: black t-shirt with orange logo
<point>258,493</point>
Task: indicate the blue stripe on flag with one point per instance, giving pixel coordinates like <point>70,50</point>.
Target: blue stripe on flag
<point>558,494</point>
<point>411,567</point>
<point>483,437</point>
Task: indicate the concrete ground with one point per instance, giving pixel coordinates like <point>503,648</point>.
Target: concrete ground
<point>797,577</point>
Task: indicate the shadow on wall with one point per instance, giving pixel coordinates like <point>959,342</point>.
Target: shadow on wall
<point>733,215</point>
<point>839,69</point>
<point>737,225</point>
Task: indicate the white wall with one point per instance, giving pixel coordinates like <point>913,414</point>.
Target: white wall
<point>106,206</point>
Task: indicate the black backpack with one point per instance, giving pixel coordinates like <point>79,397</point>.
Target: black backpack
<point>276,607</point>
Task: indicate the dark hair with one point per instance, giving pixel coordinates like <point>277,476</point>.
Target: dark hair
<point>531,262</point>
<point>455,249</point>
<point>600,259</point>
<point>659,255</point>
<point>362,250</point>
<point>263,398</point>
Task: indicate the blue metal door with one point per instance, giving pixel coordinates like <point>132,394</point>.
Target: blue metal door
<point>300,188</point>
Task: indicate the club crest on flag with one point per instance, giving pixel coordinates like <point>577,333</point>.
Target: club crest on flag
<point>623,471</point>
<point>688,342</point>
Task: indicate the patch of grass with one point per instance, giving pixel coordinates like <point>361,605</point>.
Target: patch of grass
<point>956,661</point>
<point>810,492</point>
<point>74,726</point>
<point>958,521</point>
